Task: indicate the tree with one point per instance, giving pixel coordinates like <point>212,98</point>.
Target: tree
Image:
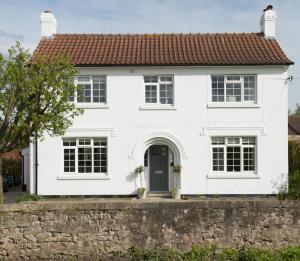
<point>297,110</point>
<point>34,97</point>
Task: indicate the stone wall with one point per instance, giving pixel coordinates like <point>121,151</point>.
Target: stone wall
<point>62,229</point>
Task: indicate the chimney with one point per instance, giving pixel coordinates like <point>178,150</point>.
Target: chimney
<point>48,24</point>
<point>268,22</point>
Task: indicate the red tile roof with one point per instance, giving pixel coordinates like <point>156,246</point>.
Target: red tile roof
<point>166,49</point>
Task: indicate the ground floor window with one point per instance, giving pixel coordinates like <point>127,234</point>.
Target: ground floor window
<point>85,155</point>
<point>233,154</point>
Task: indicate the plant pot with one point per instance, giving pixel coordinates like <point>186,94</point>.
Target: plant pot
<point>176,194</point>
<point>141,193</point>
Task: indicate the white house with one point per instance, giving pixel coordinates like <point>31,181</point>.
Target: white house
<point>216,104</point>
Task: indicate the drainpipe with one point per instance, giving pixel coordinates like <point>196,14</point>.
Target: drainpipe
<point>36,164</point>
<point>22,171</point>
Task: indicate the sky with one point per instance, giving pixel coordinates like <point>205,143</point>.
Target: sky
<point>19,21</point>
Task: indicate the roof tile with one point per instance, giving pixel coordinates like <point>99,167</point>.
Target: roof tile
<point>165,49</point>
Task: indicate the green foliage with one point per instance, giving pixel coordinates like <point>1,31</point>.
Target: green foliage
<point>210,252</point>
<point>34,97</point>
<point>177,169</point>
<point>139,169</point>
<point>28,197</point>
<point>297,110</point>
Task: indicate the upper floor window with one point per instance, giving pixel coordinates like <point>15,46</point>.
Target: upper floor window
<point>233,88</point>
<point>159,90</point>
<point>91,89</point>
<point>233,154</point>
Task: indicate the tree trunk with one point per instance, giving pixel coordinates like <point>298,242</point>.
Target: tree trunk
<point>1,185</point>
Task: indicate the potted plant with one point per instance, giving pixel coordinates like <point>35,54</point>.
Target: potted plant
<point>175,192</point>
<point>141,190</point>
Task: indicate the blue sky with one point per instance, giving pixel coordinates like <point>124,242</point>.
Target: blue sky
<point>19,20</point>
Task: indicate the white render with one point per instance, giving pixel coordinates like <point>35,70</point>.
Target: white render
<point>187,127</point>
<point>48,24</point>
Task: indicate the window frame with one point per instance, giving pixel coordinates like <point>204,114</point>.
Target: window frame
<point>91,82</point>
<point>241,81</point>
<point>76,147</point>
<point>242,146</point>
<point>158,89</point>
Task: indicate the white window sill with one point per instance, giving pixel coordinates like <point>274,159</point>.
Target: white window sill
<point>233,176</point>
<point>92,106</point>
<point>82,177</point>
<point>232,105</point>
<point>157,107</point>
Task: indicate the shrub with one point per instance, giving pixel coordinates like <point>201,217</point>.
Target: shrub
<point>210,252</point>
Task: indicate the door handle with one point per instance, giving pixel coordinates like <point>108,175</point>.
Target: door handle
<point>158,172</point>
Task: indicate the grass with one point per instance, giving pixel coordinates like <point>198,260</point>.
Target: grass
<point>210,252</point>
<point>28,197</point>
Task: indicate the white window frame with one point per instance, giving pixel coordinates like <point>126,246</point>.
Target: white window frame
<point>157,84</point>
<point>76,147</point>
<point>242,146</point>
<point>241,81</point>
<point>91,82</point>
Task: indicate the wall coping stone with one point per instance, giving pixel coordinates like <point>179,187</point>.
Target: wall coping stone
<point>121,204</point>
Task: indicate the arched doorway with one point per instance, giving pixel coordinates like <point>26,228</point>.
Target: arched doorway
<point>158,161</point>
<point>160,155</point>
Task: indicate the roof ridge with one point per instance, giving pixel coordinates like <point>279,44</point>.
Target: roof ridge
<point>156,34</point>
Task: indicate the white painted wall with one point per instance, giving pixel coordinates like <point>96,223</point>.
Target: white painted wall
<point>190,126</point>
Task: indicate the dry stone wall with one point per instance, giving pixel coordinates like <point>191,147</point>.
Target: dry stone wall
<point>90,228</point>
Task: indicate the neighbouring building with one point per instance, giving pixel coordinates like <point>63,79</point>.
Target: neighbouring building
<point>215,104</point>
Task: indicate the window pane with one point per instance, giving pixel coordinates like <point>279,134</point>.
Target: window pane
<point>218,140</point>
<point>84,141</point>
<point>99,89</point>
<point>69,142</point>
<point>166,79</point>
<point>84,93</point>
<point>233,159</point>
<point>84,160</point>
<point>233,92</point>
<point>233,78</point>
<point>150,79</point>
<point>100,160</point>
<point>100,142</point>
<point>217,88</point>
<point>166,93</point>
<point>249,159</point>
<point>218,159</point>
<point>83,79</point>
<point>151,94</point>
<point>249,88</point>
<point>233,140</point>
<point>69,160</point>
<point>249,140</point>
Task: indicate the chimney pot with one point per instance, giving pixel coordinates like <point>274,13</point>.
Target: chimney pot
<point>269,7</point>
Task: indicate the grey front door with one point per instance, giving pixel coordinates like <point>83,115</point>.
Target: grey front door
<point>159,168</point>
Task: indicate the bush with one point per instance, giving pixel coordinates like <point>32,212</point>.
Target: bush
<point>210,252</point>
